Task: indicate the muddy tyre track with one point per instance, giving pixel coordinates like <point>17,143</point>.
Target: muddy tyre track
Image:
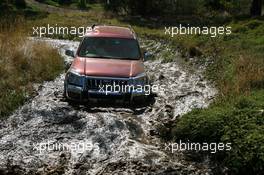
<point>123,139</point>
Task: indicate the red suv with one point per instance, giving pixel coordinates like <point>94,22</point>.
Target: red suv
<point>108,63</point>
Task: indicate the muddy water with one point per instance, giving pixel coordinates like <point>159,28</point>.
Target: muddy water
<point>49,136</point>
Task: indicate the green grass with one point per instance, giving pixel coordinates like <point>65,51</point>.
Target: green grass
<point>10,10</point>
<point>73,5</point>
<point>237,69</point>
<point>239,122</point>
<point>51,2</point>
<point>23,64</point>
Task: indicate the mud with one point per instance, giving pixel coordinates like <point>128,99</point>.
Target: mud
<point>121,139</point>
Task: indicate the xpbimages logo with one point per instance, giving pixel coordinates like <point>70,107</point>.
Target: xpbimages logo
<point>73,146</point>
<point>191,30</point>
<point>189,146</point>
<point>49,30</point>
<point>116,88</point>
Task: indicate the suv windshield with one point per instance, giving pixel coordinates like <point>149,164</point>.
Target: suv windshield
<point>106,47</point>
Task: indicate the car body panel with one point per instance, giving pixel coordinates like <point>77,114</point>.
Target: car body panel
<point>107,67</point>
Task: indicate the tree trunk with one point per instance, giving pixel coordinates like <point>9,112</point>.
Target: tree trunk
<point>256,8</point>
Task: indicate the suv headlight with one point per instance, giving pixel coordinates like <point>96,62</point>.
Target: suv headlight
<point>140,79</point>
<point>75,78</point>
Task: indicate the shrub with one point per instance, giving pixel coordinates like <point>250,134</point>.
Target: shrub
<point>240,123</point>
<point>20,3</point>
<point>82,4</point>
<point>23,63</point>
<point>67,2</point>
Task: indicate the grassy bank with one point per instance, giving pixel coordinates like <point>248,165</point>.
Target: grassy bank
<point>236,67</point>
<point>239,122</point>
<point>23,63</point>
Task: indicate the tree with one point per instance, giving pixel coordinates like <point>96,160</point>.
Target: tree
<point>20,3</point>
<point>64,2</point>
<point>82,4</point>
<point>256,8</point>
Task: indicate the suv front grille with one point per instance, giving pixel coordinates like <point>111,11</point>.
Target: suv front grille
<point>94,83</point>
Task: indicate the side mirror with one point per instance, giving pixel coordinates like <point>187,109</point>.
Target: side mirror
<point>69,53</point>
<point>147,56</point>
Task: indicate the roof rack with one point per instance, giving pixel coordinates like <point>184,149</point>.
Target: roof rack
<point>129,26</point>
<point>132,30</point>
<point>94,25</point>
